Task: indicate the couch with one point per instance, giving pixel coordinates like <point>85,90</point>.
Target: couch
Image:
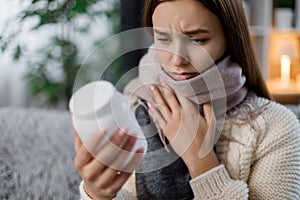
<point>36,154</point>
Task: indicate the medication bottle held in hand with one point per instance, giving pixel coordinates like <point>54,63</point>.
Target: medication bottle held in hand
<point>99,106</point>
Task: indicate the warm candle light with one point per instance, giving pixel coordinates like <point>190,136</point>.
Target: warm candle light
<point>285,69</point>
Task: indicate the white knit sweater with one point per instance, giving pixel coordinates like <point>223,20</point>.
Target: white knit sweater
<point>259,154</point>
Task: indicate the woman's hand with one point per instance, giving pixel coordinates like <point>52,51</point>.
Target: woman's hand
<point>185,128</point>
<point>101,179</point>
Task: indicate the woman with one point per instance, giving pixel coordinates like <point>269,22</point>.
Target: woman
<point>257,155</point>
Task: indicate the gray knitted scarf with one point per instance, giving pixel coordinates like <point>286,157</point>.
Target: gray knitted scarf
<point>222,83</point>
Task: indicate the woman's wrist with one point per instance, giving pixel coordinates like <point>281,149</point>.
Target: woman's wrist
<point>83,193</point>
<point>86,195</point>
<point>198,166</point>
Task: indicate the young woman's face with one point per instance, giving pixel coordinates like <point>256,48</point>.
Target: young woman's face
<point>188,37</point>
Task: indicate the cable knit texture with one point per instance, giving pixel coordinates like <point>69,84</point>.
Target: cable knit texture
<point>259,153</point>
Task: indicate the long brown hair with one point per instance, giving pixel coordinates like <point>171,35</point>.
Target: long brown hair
<point>235,27</point>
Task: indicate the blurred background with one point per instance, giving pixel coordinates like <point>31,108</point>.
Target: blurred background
<point>43,44</point>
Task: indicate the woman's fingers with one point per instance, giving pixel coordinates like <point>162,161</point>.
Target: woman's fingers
<point>210,119</point>
<point>109,191</point>
<point>109,179</point>
<point>92,144</point>
<point>78,142</point>
<point>83,155</point>
<point>156,115</point>
<point>161,104</point>
<point>110,182</point>
<point>171,97</point>
<point>92,170</point>
<point>135,161</point>
<point>209,138</point>
<point>101,172</point>
<point>105,157</point>
<point>120,177</point>
<point>119,182</point>
<point>108,153</point>
<point>185,103</point>
<point>124,153</point>
<point>209,113</point>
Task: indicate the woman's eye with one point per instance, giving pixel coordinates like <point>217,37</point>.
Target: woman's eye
<point>199,40</point>
<point>164,40</point>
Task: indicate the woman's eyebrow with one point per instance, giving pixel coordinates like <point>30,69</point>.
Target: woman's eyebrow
<point>159,32</point>
<point>188,32</point>
<point>196,31</point>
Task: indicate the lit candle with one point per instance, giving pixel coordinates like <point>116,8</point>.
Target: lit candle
<point>285,69</point>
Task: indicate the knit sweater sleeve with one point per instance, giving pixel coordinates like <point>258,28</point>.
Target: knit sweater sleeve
<point>217,184</point>
<point>275,171</point>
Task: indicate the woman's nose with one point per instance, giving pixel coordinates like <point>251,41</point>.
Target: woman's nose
<point>178,59</point>
<point>179,54</point>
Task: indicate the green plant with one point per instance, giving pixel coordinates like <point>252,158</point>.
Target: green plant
<point>284,3</point>
<point>60,54</point>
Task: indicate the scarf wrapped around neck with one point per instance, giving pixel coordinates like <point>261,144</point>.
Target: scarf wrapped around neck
<point>222,84</point>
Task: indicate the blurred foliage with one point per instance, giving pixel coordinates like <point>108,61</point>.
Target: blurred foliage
<point>61,51</point>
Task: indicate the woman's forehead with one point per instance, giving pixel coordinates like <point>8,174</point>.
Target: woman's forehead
<point>183,16</point>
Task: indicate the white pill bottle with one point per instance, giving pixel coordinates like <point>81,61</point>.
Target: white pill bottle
<point>99,106</point>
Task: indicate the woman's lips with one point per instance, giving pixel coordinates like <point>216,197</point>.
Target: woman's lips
<point>182,76</point>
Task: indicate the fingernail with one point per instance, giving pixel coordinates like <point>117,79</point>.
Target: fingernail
<point>152,88</point>
<point>149,105</point>
<point>140,150</point>
<point>123,131</point>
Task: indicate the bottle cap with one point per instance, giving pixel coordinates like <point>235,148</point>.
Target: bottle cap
<point>93,98</point>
